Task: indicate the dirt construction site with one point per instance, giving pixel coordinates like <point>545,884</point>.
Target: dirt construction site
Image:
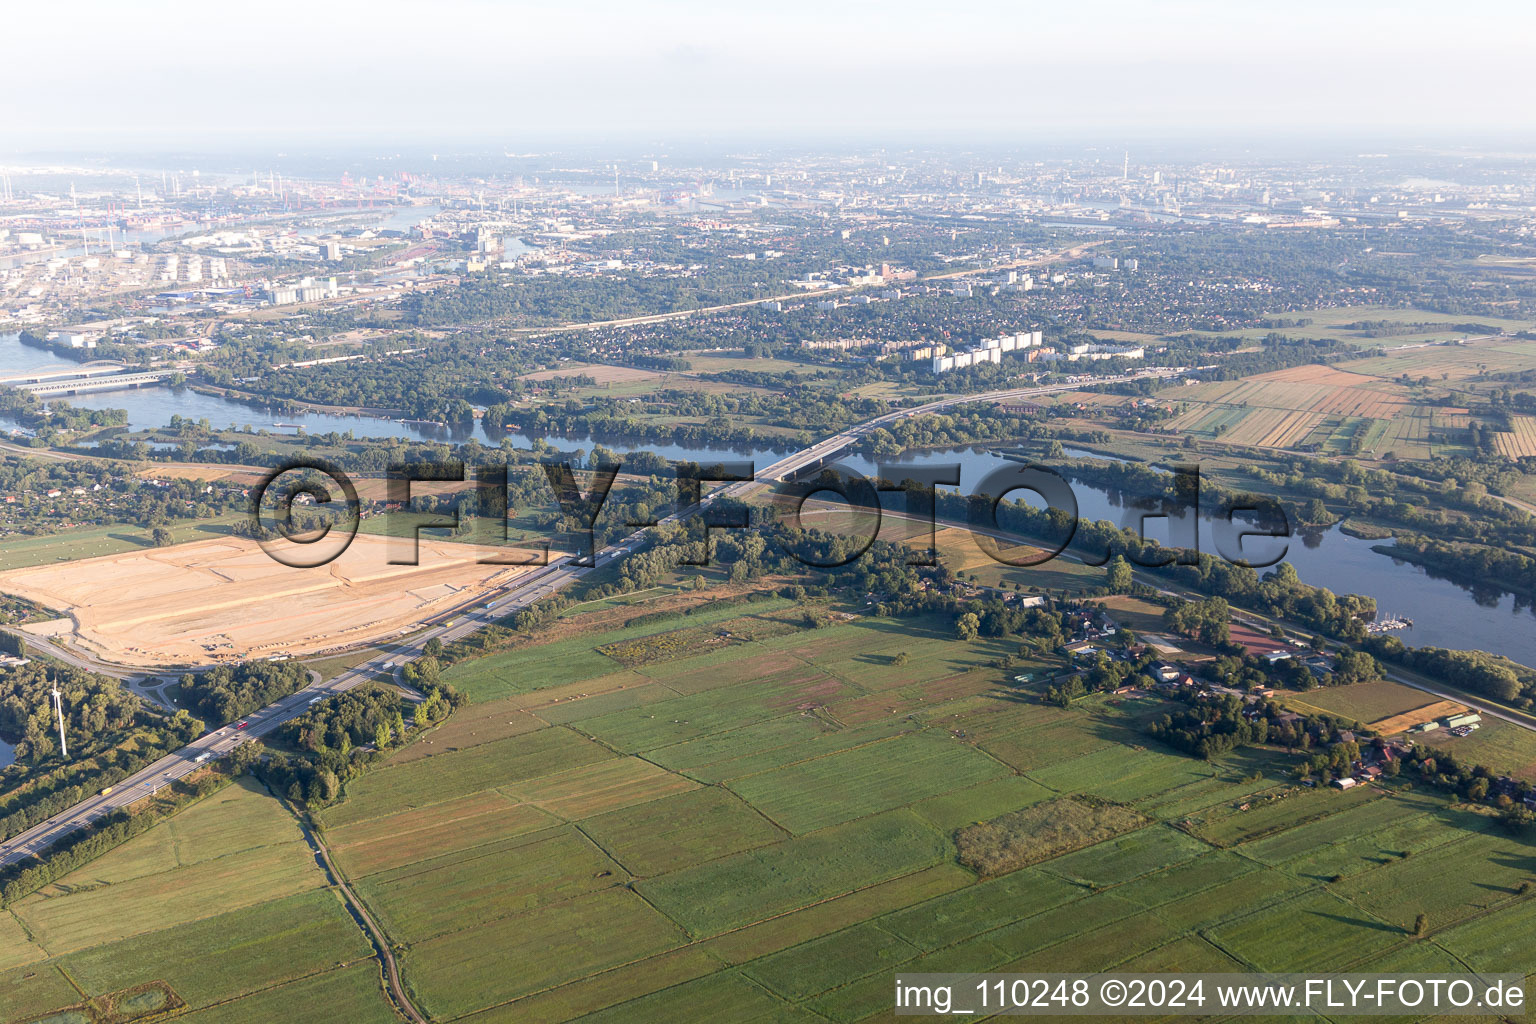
<point>227,600</point>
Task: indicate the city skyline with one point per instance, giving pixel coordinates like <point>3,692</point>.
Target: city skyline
<point>174,74</point>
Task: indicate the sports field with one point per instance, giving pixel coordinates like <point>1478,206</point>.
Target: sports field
<point>227,599</point>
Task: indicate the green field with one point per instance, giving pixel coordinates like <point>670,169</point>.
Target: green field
<point>18,552</point>
<point>1363,702</point>
<point>1331,322</point>
<point>224,903</point>
<point>536,667</point>
<point>814,852</point>
<point>767,832</point>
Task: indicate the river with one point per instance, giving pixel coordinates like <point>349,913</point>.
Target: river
<point>1444,613</point>
<point>151,408</point>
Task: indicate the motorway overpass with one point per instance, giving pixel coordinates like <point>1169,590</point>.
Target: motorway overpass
<point>825,452</point>
<point>515,596</point>
<point>47,373</point>
<point>104,382</point>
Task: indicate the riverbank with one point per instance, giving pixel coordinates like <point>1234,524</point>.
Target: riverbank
<point>1454,569</point>
<point>230,394</point>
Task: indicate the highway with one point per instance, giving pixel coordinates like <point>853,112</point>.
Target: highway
<point>515,596</point>
<point>824,452</point>
<point>220,742</point>
<point>80,385</point>
<point>834,290</point>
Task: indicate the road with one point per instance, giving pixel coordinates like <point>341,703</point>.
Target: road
<point>824,452</point>
<point>221,742</point>
<point>515,596</point>
<point>1465,699</point>
<point>835,290</point>
<point>11,448</point>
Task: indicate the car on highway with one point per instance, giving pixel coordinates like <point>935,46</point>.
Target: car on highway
<point>242,725</point>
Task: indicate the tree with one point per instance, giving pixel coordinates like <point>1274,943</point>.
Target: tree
<point>899,658</point>
<point>433,648</point>
<point>1285,575</point>
<point>1517,818</point>
<point>1118,575</point>
<point>1421,925</point>
<point>968,626</point>
<point>161,537</point>
<point>423,672</point>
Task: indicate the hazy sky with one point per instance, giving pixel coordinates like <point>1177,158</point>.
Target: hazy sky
<point>515,72</point>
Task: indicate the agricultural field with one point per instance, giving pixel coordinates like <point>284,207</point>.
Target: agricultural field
<point>222,905</point>
<point>767,831</point>
<point>772,828</point>
<point>715,362</point>
<point>1409,436</point>
<point>600,373</point>
<point>1521,440</point>
<point>1370,702</point>
<point>1301,407</point>
<point>1452,362</point>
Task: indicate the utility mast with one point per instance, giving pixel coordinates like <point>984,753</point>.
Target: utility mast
<point>58,707</point>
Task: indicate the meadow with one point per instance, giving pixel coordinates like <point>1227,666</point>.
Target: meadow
<point>223,903</point>
<point>20,552</point>
<point>1454,362</point>
<point>1334,322</point>
<point>767,832</point>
